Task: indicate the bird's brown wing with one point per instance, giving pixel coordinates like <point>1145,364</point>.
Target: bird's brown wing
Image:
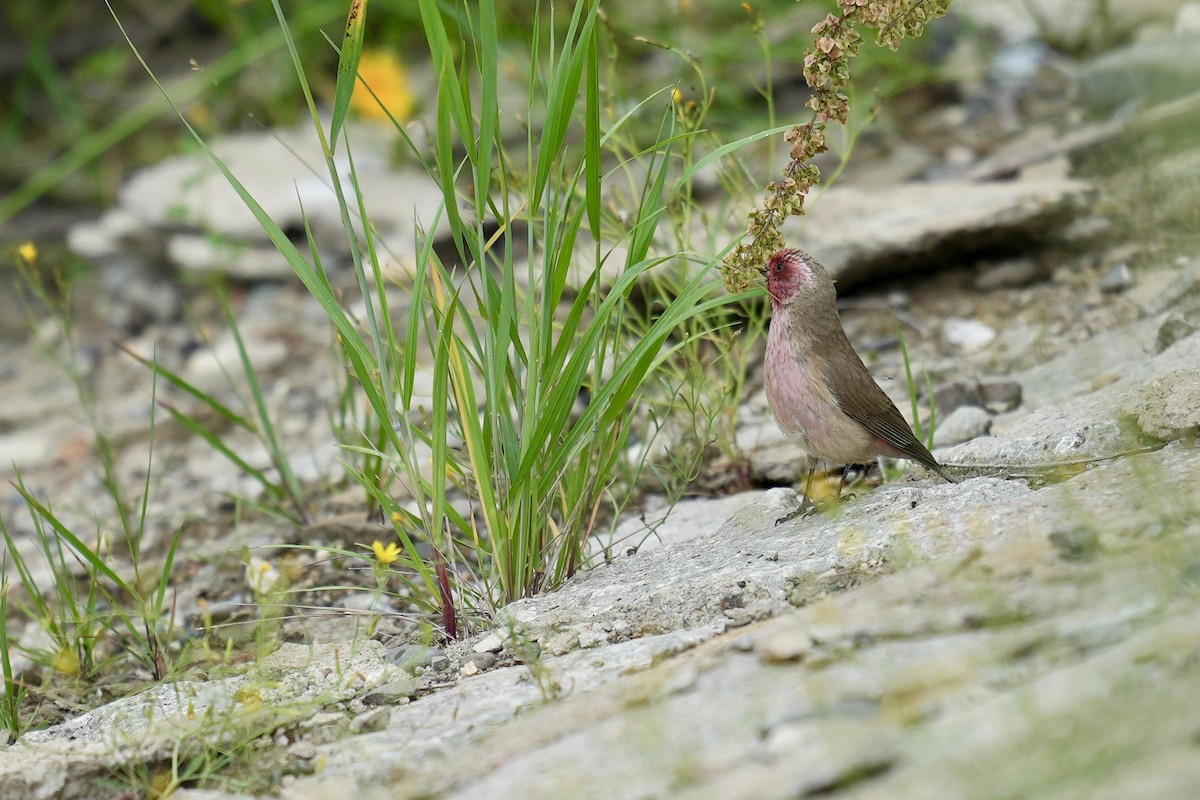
<point>863,401</point>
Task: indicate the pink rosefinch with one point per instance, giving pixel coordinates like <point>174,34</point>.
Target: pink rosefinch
<point>818,388</point>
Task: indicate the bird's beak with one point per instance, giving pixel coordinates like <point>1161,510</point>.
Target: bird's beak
<point>766,287</point>
<point>764,272</point>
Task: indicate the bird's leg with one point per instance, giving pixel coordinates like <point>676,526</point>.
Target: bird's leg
<point>841,482</point>
<point>806,503</point>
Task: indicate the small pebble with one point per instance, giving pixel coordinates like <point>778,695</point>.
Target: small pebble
<point>785,645</point>
<point>1187,19</point>
<point>492,643</point>
<point>394,692</point>
<point>960,155</point>
<point>1087,230</point>
<point>681,680</point>
<point>1118,279</point>
<point>967,334</point>
<point>527,650</point>
<point>411,657</point>
<point>1007,275</point>
<point>784,740</point>
<point>1174,328</point>
<point>592,637</point>
<point>560,643</point>
<point>1001,395</point>
<point>374,720</point>
<point>481,661</point>
<point>965,424</point>
<point>949,397</point>
<point>1166,408</point>
<point>304,750</point>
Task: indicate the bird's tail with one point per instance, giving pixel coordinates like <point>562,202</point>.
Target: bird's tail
<point>940,470</point>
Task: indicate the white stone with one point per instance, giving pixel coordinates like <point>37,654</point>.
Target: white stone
<point>962,425</point>
<point>491,643</point>
<point>967,335</point>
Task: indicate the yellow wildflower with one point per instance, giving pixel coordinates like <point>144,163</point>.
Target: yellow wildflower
<point>383,72</point>
<point>385,555</point>
<point>28,252</point>
<point>65,662</point>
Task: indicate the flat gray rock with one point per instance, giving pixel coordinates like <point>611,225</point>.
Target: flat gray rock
<point>904,685</point>
<point>182,717</point>
<point>1147,72</point>
<point>187,202</point>
<point>914,224</point>
<point>1084,410</point>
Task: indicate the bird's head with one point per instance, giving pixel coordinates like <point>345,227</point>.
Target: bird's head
<point>793,274</point>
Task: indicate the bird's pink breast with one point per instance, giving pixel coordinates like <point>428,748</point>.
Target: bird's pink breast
<point>804,405</point>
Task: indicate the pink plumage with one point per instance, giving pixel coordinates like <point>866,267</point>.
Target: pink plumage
<point>818,388</point>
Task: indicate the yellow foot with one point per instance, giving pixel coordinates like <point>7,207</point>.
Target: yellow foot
<point>806,507</point>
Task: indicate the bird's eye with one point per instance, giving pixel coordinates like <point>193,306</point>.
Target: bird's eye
<point>779,266</point>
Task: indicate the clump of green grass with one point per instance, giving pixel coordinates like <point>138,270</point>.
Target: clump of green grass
<point>537,468</point>
<point>514,343</point>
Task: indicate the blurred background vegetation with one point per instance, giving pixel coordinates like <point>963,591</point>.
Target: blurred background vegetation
<point>77,112</point>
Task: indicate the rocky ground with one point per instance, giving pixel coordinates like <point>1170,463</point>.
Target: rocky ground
<point>1031,632</point>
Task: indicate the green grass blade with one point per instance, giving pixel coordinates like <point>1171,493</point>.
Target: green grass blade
<point>181,383</point>
<point>36,596</point>
<point>562,96</point>
<point>94,560</point>
<point>909,386</point>
<point>489,113</point>
<point>13,690</point>
<point>266,428</point>
<point>347,71</point>
<point>214,441</point>
<point>449,81</point>
<point>725,149</point>
<point>591,139</point>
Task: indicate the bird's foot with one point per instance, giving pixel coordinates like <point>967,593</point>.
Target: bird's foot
<point>806,507</point>
<point>809,506</point>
